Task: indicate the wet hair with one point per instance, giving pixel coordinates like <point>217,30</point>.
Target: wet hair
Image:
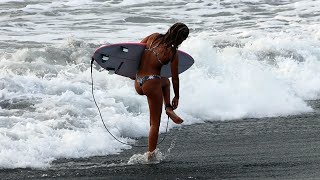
<point>175,35</point>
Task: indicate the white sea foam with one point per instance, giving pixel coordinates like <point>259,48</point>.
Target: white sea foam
<point>247,65</point>
<point>157,156</point>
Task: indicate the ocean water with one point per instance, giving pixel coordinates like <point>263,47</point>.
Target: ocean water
<point>253,59</point>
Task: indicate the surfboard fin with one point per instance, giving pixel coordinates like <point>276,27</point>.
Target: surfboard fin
<point>124,49</point>
<point>105,58</point>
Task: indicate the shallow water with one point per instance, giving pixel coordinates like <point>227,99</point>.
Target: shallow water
<point>264,148</point>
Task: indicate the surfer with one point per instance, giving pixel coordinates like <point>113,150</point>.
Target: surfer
<point>160,50</point>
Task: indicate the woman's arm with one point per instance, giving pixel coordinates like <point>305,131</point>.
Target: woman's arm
<point>175,80</point>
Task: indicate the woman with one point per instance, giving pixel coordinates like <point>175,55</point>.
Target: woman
<point>160,50</point>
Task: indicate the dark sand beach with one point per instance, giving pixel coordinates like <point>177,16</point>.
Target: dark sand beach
<point>267,148</point>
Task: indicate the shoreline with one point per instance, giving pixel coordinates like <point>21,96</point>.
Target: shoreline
<point>268,148</point>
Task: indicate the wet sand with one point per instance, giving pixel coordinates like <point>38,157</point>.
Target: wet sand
<point>268,148</point>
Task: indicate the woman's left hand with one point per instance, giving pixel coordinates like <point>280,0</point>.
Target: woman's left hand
<point>175,102</point>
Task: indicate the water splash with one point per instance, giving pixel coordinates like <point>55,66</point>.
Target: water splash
<point>157,157</point>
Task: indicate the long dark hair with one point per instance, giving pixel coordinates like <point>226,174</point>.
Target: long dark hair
<point>175,35</point>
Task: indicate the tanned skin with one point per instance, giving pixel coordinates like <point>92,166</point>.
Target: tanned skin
<point>158,90</point>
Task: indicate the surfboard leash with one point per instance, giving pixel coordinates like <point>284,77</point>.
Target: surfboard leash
<point>100,114</point>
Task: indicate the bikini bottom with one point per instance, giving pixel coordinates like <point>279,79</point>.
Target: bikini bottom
<point>142,80</point>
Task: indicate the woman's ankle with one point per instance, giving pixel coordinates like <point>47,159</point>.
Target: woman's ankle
<point>169,107</point>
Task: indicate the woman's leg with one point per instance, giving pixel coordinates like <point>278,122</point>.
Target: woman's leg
<point>152,89</point>
<point>165,85</point>
<point>138,88</point>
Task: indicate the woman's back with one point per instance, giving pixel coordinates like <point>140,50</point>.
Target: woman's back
<point>156,54</point>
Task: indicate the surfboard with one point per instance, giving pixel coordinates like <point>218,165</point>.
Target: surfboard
<point>124,58</point>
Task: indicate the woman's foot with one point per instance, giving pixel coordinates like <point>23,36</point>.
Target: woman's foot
<point>175,118</point>
<point>151,156</point>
